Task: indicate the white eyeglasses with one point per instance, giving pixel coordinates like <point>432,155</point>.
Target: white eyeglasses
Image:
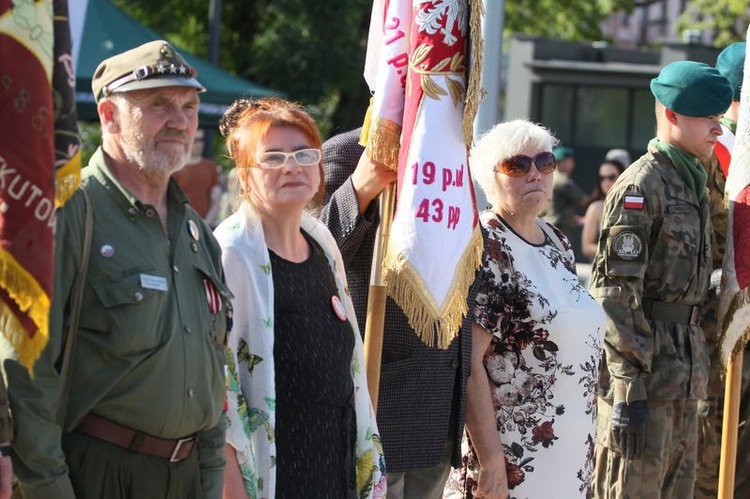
<point>277,159</point>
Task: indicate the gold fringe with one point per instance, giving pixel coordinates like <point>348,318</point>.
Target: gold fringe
<point>384,142</point>
<point>366,125</point>
<point>31,299</point>
<point>474,92</point>
<point>67,179</point>
<point>735,325</point>
<point>436,327</point>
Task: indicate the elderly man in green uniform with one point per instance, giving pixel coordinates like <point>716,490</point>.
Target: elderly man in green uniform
<point>144,417</point>
<point>651,273</point>
<point>730,63</point>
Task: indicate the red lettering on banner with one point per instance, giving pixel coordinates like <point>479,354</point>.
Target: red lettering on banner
<point>433,211</point>
<point>428,173</point>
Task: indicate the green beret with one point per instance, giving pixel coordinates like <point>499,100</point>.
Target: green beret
<point>562,152</point>
<point>692,89</point>
<point>731,64</point>
<point>151,65</point>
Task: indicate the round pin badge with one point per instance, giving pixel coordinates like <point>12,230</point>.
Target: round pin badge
<point>107,251</point>
<point>193,230</point>
<point>338,307</point>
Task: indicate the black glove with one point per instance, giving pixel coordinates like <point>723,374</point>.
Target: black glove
<point>628,427</point>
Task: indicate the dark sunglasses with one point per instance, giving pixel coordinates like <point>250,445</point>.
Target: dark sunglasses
<point>611,178</point>
<point>520,165</point>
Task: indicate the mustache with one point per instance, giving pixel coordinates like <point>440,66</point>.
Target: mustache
<point>172,134</point>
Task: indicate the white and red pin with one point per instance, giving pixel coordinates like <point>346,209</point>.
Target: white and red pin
<point>193,230</point>
<point>107,251</point>
<point>633,202</point>
<point>338,307</point>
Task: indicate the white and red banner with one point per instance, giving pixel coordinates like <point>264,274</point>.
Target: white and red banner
<point>734,308</point>
<point>420,80</point>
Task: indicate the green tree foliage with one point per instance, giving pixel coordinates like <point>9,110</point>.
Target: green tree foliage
<point>726,20</point>
<point>314,50</point>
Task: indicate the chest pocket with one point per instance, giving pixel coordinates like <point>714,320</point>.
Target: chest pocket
<point>678,245</point>
<point>128,307</point>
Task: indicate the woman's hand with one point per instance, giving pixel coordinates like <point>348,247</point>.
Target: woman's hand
<point>234,486</point>
<point>493,481</point>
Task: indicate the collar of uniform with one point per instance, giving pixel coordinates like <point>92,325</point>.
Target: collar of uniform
<point>673,178</point>
<point>129,204</point>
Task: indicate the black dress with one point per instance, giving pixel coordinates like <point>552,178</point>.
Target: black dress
<point>313,346</point>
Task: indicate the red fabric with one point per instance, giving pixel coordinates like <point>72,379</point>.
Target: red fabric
<point>724,157</point>
<point>741,235</point>
<point>27,158</point>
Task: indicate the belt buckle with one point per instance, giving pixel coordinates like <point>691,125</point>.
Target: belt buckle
<point>173,458</point>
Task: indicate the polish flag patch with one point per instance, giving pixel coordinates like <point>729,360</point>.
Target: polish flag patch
<point>633,202</point>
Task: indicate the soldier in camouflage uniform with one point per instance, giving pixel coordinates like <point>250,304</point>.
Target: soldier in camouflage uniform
<point>730,63</point>
<point>651,274</point>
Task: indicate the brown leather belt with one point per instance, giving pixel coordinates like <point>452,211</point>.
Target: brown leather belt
<point>128,438</point>
<point>671,312</point>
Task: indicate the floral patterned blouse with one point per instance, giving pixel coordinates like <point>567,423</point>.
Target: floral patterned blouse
<point>542,364</point>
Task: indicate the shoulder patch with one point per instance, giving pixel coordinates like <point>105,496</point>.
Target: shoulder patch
<point>633,202</point>
<point>627,245</point>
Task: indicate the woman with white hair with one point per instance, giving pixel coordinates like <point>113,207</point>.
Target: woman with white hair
<point>537,335</point>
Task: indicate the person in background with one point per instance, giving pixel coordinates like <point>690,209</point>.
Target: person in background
<point>200,181</point>
<point>730,63</point>
<point>608,172</point>
<point>301,423</point>
<point>421,400</point>
<point>651,274</point>
<point>622,156</point>
<point>537,335</point>
<point>567,199</point>
<point>144,417</point>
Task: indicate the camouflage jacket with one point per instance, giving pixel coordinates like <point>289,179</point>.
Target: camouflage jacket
<point>654,244</point>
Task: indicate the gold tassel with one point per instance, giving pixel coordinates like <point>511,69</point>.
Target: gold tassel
<point>435,327</point>
<point>31,299</point>
<point>67,179</point>
<point>384,142</point>
<point>474,92</point>
<point>366,125</point>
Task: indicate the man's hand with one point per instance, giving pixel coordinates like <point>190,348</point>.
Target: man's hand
<point>369,179</point>
<point>628,427</point>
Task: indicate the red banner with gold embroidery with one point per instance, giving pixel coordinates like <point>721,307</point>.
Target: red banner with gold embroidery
<point>424,102</point>
<point>34,46</point>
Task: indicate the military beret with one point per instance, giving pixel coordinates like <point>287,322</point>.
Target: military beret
<point>692,88</point>
<point>562,152</point>
<point>151,65</point>
<point>731,64</point>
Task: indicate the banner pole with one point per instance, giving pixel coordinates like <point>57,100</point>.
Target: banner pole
<point>732,396</point>
<point>376,297</point>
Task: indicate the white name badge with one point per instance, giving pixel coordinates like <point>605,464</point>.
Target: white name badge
<point>153,282</point>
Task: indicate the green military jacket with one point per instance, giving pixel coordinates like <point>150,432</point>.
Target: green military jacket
<point>654,244</point>
<point>150,348</point>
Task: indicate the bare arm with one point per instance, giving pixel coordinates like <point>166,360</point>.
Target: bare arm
<point>234,486</point>
<point>480,422</point>
<point>590,234</point>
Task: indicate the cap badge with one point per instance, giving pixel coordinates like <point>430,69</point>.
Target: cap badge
<point>193,230</point>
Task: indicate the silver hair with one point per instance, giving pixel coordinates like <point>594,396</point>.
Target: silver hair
<point>504,141</point>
